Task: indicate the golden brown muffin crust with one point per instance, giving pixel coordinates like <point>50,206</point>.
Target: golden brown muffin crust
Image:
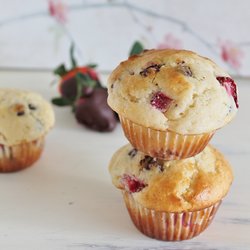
<point>187,79</point>
<point>175,186</point>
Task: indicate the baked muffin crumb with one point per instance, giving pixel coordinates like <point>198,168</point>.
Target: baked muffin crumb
<point>24,116</point>
<point>173,89</point>
<point>174,186</point>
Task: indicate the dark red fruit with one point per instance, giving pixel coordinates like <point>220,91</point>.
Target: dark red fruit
<point>68,85</point>
<point>132,184</point>
<point>161,101</point>
<point>230,86</point>
<point>94,112</point>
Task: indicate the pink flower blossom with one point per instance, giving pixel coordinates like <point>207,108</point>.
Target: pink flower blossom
<point>58,10</point>
<point>231,54</point>
<point>170,42</point>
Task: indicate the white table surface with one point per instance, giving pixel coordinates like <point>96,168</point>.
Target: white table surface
<point>67,201</point>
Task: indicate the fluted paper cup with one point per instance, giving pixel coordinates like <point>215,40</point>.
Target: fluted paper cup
<point>17,157</point>
<point>166,145</point>
<point>169,226</point>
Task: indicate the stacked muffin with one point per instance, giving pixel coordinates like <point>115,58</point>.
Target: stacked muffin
<point>170,103</point>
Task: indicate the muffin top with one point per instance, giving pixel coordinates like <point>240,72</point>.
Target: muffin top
<point>24,116</point>
<point>173,89</point>
<point>172,186</point>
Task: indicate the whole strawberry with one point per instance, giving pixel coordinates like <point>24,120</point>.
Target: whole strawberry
<point>80,88</point>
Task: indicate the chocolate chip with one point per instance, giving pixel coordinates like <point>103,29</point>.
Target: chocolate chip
<point>186,70</point>
<point>160,167</point>
<point>148,163</point>
<point>132,153</point>
<point>32,107</point>
<point>230,108</point>
<point>20,113</point>
<point>155,67</point>
<point>112,86</point>
<point>131,73</point>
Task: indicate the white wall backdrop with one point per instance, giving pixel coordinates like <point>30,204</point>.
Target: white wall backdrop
<point>38,34</point>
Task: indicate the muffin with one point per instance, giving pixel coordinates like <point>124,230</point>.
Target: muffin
<point>171,200</point>
<point>25,119</point>
<point>171,102</point>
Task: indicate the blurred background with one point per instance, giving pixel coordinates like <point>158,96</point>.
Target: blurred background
<point>36,35</point>
<point>67,201</point>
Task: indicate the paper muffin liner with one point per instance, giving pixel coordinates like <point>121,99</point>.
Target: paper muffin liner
<point>169,226</point>
<point>17,157</point>
<point>166,145</point>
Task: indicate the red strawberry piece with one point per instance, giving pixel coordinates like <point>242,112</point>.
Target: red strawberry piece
<point>132,184</point>
<point>68,84</point>
<point>84,70</point>
<point>230,86</point>
<point>161,101</point>
<point>93,75</point>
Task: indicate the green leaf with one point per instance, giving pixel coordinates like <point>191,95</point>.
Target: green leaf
<point>98,84</point>
<point>82,81</point>
<point>91,65</point>
<point>137,48</point>
<point>79,86</point>
<point>72,58</point>
<point>61,101</point>
<point>60,70</point>
<point>85,80</point>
